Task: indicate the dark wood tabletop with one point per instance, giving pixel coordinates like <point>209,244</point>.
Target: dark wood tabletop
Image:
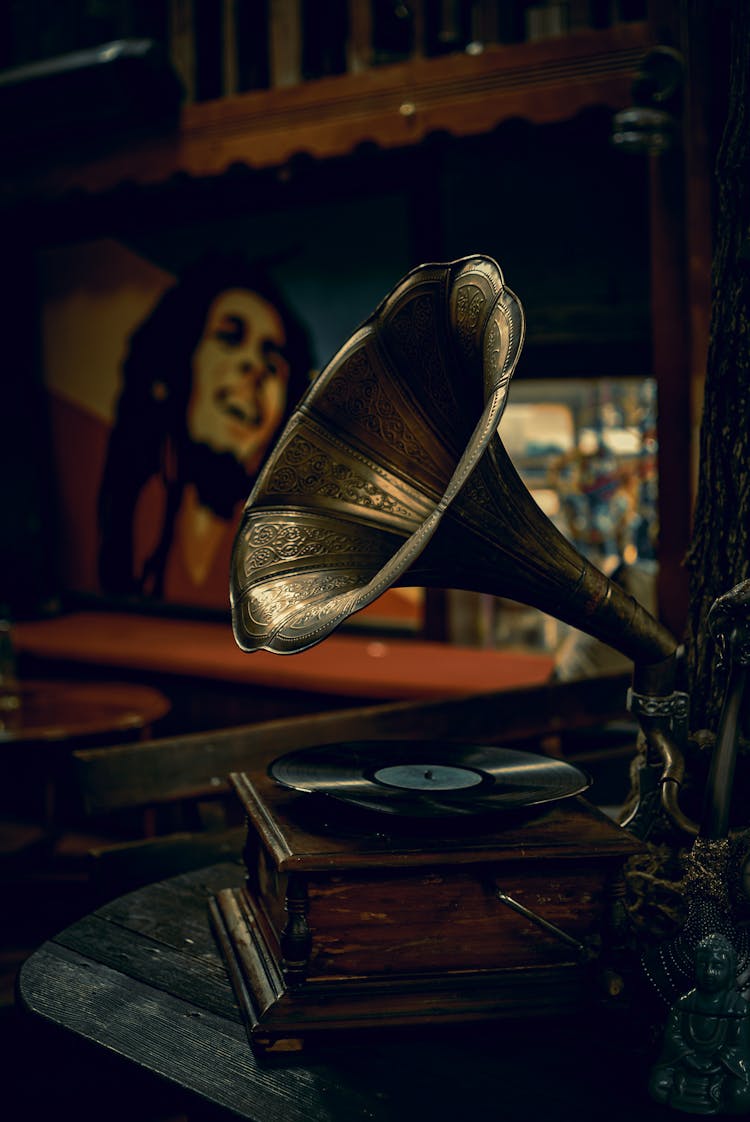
<point>50,711</point>
<point>42,722</point>
<point>142,978</point>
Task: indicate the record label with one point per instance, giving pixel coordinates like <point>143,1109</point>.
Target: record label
<point>427,777</point>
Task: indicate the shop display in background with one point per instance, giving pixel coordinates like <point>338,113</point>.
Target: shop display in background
<point>586,449</point>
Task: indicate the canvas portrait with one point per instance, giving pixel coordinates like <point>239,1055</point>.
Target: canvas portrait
<point>172,362</point>
<point>166,395</point>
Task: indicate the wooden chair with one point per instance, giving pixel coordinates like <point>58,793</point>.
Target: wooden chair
<point>184,779</point>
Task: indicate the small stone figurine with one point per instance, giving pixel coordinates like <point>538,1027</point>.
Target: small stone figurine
<point>704,1066</point>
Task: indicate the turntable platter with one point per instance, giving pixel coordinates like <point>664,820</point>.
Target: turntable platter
<point>429,779</point>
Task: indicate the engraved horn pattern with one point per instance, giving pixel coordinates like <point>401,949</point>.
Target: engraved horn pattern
<point>366,461</point>
<point>397,436</point>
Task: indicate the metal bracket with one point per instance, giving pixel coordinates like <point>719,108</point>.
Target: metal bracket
<point>674,707</point>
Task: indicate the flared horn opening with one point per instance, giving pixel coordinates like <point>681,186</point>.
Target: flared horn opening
<point>375,454</point>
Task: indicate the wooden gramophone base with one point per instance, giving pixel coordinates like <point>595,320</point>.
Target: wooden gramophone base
<point>280,1017</point>
<point>345,924</point>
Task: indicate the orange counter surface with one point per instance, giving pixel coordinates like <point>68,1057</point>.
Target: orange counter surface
<point>346,665</point>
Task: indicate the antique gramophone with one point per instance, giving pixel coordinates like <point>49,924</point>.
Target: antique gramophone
<point>402,882</point>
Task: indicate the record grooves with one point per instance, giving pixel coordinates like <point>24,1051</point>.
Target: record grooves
<point>429,779</point>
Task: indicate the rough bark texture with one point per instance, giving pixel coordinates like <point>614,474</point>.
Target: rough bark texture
<point>719,557</point>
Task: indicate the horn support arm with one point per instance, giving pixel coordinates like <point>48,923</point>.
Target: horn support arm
<point>662,713</point>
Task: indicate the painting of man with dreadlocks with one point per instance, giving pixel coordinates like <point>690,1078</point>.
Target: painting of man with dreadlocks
<point>208,380</point>
<point>171,363</point>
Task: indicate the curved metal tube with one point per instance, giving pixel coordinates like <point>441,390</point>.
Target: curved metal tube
<point>662,715</point>
<point>672,777</point>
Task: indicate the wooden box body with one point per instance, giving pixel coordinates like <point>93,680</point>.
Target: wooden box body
<point>360,920</point>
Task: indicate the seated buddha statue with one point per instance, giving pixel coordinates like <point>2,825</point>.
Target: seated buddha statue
<point>704,1066</point>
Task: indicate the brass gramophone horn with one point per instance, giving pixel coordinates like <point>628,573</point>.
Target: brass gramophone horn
<point>391,471</point>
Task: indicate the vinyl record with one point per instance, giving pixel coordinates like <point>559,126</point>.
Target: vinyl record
<point>429,778</point>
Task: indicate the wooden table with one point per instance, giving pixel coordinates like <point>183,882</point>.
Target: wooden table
<point>142,978</point>
<point>52,718</point>
<point>59,711</point>
<point>350,666</point>
<point>213,684</point>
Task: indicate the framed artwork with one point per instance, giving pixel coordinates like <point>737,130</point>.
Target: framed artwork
<point>171,365</point>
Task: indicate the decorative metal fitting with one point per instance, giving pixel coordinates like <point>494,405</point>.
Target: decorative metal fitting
<point>673,707</point>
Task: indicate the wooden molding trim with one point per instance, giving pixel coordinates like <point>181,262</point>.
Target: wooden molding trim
<point>390,106</point>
